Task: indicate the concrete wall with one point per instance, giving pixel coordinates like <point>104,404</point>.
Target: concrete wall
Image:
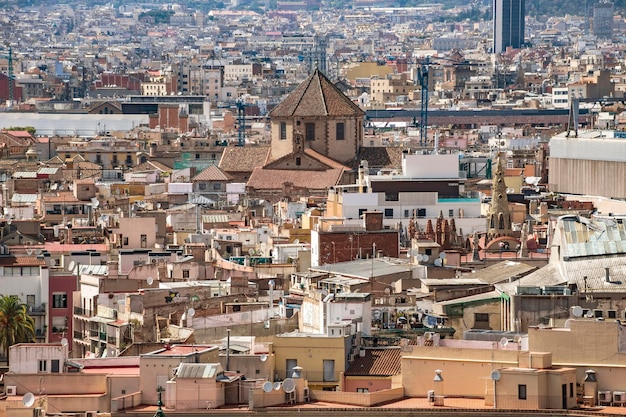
<point>465,371</point>
<point>358,399</point>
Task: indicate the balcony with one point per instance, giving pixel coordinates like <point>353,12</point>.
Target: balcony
<point>78,311</point>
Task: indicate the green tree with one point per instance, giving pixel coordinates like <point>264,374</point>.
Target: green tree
<point>16,326</point>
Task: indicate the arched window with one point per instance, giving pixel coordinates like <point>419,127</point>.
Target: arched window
<point>501,221</point>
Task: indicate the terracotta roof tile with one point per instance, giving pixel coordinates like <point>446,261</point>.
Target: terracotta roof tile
<point>21,261</point>
<point>274,179</point>
<point>243,158</point>
<point>381,362</point>
<point>381,157</point>
<point>212,173</point>
<point>316,96</point>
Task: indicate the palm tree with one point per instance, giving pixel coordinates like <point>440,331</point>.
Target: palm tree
<point>15,325</point>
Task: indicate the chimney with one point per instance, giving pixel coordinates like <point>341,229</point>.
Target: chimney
<point>607,274</point>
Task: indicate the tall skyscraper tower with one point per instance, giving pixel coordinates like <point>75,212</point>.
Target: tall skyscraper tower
<point>508,24</point>
<point>603,20</point>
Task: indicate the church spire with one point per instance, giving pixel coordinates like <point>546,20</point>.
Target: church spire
<point>499,217</point>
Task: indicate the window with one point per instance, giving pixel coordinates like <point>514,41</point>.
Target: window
<point>298,161</point>
<point>391,196</point>
<point>451,213</point>
<point>362,390</point>
<point>612,314</point>
<point>217,186</point>
<point>521,392</point>
<point>406,213</point>
<point>421,213</point>
<point>185,273</point>
<point>125,241</point>
<point>309,131</point>
<point>388,213</point>
<point>283,131</point>
<point>340,131</point>
<point>59,300</point>
<point>481,321</point>
<point>361,211</point>
<point>571,390</point>
<point>202,186</point>
<point>144,241</point>
<point>42,365</point>
<point>54,366</point>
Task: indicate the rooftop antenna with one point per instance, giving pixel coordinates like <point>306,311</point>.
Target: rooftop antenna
<point>572,121</point>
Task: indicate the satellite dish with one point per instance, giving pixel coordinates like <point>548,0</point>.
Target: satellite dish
<point>271,283</point>
<point>158,206</point>
<point>438,262</point>
<point>251,252</point>
<point>510,190</point>
<point>191,312</point>
<point>504,341</point>
<point>589,314</point>
<point>495,375</point>
<point>28,399</point>
<point>442,255</point>
<point>29,251</point>
<point>289,385</point>
<point>414,252</point>
<point>268,386</point>
<point>577,311</point>
<point>425,258</point>
<point>245,316</point>
<point>296,241</point>
<point>149,280</point>
<point>71,266</point>
<point>64,342</point>
<point>263,359</point>
<point>387,291</point>
<point>517,338</point>
<point>276,386</point>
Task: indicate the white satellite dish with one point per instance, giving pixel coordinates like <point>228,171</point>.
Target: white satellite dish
<point>28,399</point>
<point>414,252</point>
<point>589,314</point>
<point>510,190</point>
<point>268,386</point>
<point>276,386</point>
<point>245,316</point>
<point>71,266</point>
<point>504,341</point>
<point>158,206</point>
<point>495,375</point>
<point>425,258</point>
<point>29,251</point>
<point>64,342</point>
<point>517,338</point>
<point>149,280</point>
<point>271,283</point>
<point>438,262</point>
<point>442,255</point>
<point>577,311</point>
<point>191,312</point>
<point>296,241</point>
<point>263,358</point>
<point>251,252</point>
<point>289,385</point>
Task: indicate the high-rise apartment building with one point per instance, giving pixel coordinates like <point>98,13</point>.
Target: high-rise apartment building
<point>508,24</point>
<point>603,20</point>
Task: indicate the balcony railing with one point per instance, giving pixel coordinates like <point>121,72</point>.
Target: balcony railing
<point>83,312</point>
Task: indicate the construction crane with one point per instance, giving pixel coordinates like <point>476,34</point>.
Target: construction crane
<point>10,75</point>
<point>422,76</point>
<point>241,121</point>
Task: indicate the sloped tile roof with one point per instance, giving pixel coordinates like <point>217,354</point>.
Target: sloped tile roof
<point>381,157</point>
<point>243,158</point>
<point>324,159</point>
<point>212,173</point>
<point>274,179</point>
<point>316,96</point>
<point>377,362</point>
